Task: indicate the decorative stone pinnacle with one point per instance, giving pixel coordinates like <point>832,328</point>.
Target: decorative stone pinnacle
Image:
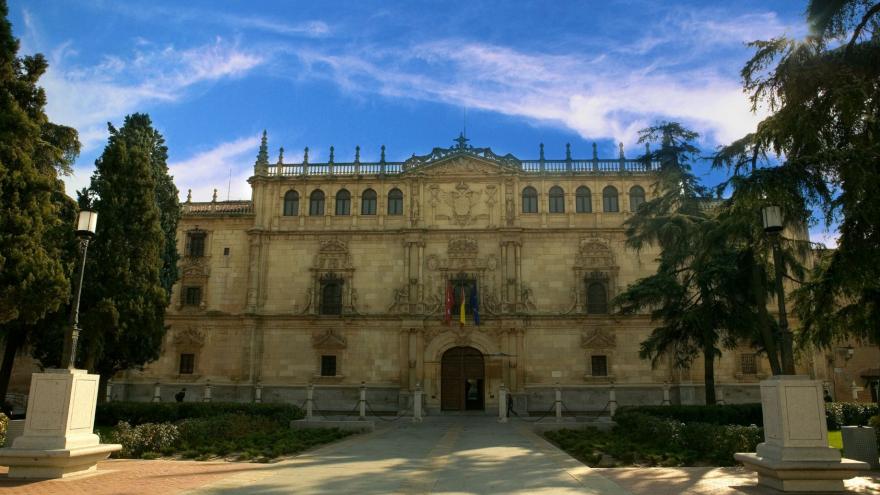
<point>568,151</point>
<point>595,153</point>
<point>214,199</point>
<point>331,154</point>
<point>306,156</point>
<point>621,149</point>
<point>542,151</point>
<point>647,149</point>
<point>382,155</point>
<point>357,154</point>
<point>189,195</point>
<point>262,163</point>
<point>462,141</point>
<point>281,155</point>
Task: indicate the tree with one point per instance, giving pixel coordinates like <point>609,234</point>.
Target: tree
<point>33,274</point>
<point>825,103</point>
<point>124,297</point>
<point>687,294</point>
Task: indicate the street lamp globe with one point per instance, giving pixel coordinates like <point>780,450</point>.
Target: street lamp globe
<point>772,216</point>
<point>86,223</point>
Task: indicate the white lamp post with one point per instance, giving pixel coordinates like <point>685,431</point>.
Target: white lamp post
<point>86,224</point>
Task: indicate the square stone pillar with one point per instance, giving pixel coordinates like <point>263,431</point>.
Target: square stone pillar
<point>58,439</point>
<point>795,455</point>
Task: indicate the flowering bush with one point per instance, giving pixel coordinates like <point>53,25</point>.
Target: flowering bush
<point>148,437</point>
<point>4,422</point>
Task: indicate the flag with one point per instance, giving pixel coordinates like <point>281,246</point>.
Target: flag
<point>475,305</point>
<point>447,311</point>
<point>461,308</point>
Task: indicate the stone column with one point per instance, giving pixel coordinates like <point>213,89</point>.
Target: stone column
<point>502,404</point>
<point>417,404</point>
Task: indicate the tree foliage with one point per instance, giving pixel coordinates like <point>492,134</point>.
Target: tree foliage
<point>34,212</point>
<point>824,95</point>
<point>124,296</point>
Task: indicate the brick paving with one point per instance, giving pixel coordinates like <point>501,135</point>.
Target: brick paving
<point>131,477</point>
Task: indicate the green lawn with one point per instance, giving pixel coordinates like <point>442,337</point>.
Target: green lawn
<point>835,440</point>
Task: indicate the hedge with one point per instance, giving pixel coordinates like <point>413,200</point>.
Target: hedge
<point>728,414</point>
<point>849,414</point>
<point>136,413</point>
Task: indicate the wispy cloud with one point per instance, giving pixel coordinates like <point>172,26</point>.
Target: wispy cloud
<point>86,97</point>
<point>211,169</point>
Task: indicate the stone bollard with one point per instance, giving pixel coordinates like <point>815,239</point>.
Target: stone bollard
<point>310,401</point>
<point>612,401</point>
<point>502,404</point>
<point>109,397</point>
<point>558,405</point>
<point>157,392</point>
<point>206,394</point>
<point>258,393</point>
<point>363,402</point>
<point>666,401</point>
<point>417,404</point>
<point>719,395</point>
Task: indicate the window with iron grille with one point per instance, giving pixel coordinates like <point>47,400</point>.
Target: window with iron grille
<point>196,244</point>
<point>328,365</point>
<point>187,364</point>
<point>748,364</point>
<point>331,297</point>
<point>599,365</point>
<point>192,296</point>
<point>597,298</point>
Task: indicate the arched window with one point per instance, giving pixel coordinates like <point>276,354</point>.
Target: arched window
<point>583,200</point>
<point>343,202</point>
<point>395,202</point>
<point>529,200</point>
<point>609,199</point>
<point>368,202</point>
<point>636,198</point>
<point>316,203</point>
<point>291,204</point>
<point>331,297</point>
<point>557,200</point>
<point>597,298</point>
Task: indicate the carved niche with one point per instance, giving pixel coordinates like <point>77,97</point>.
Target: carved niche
<point>332,262</point>
<point>594,260</point>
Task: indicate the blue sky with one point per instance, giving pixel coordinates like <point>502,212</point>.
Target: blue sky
<point>213,75</point>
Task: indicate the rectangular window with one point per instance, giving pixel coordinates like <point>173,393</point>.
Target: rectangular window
<point>187,364</point>
<point>192,296</point>
<point>599,365</point>
<point>328,365</point>
<point>225,251</point>
<point>748,364</point>
<point>196,245</point>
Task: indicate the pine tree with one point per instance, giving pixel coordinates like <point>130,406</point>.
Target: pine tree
<point>33,273</point>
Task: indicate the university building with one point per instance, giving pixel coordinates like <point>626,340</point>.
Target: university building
<point>340,275</point>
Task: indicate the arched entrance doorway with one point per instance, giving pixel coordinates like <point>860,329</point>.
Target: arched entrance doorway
<point>462,374</point>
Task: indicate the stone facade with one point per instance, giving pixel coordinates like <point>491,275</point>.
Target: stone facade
<point>247,319</point>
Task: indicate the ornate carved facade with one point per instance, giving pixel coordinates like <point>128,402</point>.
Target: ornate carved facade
<point>345,268</point>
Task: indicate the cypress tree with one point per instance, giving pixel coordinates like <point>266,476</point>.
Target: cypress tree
<point>34,278</point>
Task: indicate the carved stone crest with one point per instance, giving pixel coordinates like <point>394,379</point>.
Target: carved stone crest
<point>463,247</point>
<point>598,338</point>
<point>328,339</point>
<point>461,201</point>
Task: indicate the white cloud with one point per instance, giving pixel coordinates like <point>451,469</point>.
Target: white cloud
<point>210,169</point>
<point>87,97</point>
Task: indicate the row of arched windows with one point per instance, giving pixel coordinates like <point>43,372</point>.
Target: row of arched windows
<point>343,202</point>
<point>583,199</point>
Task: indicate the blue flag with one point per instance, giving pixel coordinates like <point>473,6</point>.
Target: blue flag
<point>475,305</point>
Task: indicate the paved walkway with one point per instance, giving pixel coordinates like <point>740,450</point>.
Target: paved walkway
<point>448,455</point>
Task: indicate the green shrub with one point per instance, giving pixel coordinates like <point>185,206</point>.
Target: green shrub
<point>4,423</point>
<point>839,414</point>
<point>147,437</point>
<point>727,414</point>
<point>135,413</point>
<point>875,423</point>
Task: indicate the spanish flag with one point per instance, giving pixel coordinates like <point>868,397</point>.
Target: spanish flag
<point>461,308</point>
<point>448,303</point>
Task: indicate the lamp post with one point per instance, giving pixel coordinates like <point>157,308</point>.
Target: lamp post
<point>772,218</point>
<point>85,230</point>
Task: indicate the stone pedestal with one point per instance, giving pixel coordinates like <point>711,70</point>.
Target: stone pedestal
<point>795,455</point>
<point>58,439</point>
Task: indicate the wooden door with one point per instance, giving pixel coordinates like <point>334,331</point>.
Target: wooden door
<point>457,366</point>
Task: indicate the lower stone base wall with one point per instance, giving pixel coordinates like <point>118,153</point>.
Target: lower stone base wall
<point>536,400</point>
